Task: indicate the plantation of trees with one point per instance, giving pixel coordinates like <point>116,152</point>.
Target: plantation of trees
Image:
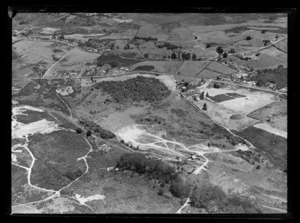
<point>135,89</point>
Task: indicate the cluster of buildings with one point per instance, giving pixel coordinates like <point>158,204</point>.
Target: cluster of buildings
<point>58,37</point>
<point>283,90</point>
<point>251,56</point>
<point>72,74</point>
<point>106,69</point>
<point>249,83</point>
<point>184,86</point>
<point>271,85</point>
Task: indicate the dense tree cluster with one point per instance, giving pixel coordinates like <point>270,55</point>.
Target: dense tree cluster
<point>135,89</point>
<point>186,56</point>
<point>238,29</point>
<point>194,57</point>
<point>213,198</point>
<point>146,38</point>
<point>114,60</point>
<point>169,46</point>
<point>92,127</point>
<point>207,196</point>
<point>78,130</point>
<point>219,50</point>
<point>173,56</point>
<point>180,189</point>
<point>145,68</point>
<point>231,51</point>
<point>154,169</point>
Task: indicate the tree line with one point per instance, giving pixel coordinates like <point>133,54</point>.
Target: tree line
<point>92,127</point>
<point>207,196</point>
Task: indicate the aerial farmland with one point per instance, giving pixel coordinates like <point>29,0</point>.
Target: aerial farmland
<point>157,113</point>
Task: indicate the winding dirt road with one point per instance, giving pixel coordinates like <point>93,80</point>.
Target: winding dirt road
<point>56,193</point>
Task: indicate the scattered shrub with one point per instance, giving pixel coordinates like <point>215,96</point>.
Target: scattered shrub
<point>78,130</point>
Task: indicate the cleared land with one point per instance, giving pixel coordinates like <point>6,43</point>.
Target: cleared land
<point>208,74</point>
<point>275,114</point>
<point>34,52</point>
<point>220,68</point>
<point>223,115</point>
<point>75,60</point>
<point>191,68</point>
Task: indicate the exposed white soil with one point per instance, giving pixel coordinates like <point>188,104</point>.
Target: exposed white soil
<point>140,138</point>
<point>83,200</point>
<point>270,129</point>
<point>66,91</point>
<point>20,130</point>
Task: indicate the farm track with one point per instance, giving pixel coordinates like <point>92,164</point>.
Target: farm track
<point>184,205</point>
<point>23,61</point>
<point>275,209</point>
<point>279,49</point>
<point>158,141</point>
<point>48,72</point>
<point>203,68</point>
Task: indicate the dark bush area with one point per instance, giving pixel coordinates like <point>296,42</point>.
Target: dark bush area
<point>213,198</point>
<point>73,175</point>
<point>180,189</point>
<point>169,46</point>
<point>135,89</point>
<point>114,60</point>
<point>237,204</point>
<point>146,38</point>
<point>23,22</point>
<point>96,129</point>
<point>220,98</point>
<point>219,50</point>
<point>145,68</point>
<point>238,29</point>
<point>202,196</point>
<point>152,168</point>
<point>57,51</point>
<point>151,120</point>
<point>186,56</point>
<point>78,130</point>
